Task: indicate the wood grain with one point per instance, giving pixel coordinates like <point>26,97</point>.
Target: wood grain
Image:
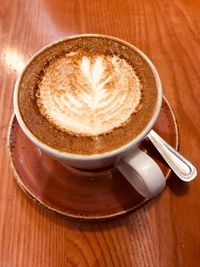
<point>166,232</point>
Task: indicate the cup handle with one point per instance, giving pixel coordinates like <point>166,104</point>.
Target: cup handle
<point>143,173</point>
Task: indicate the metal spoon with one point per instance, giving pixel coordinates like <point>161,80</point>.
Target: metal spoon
<point>182,167</point>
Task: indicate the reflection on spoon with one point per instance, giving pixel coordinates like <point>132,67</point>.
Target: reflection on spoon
<point>182,167</point>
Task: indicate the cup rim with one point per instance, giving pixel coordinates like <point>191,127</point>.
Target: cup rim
<point>66,155</point>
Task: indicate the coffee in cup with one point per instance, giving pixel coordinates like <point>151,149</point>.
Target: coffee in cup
<point>87,95</point>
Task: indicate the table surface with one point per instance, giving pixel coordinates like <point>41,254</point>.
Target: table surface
<point>164,232</point>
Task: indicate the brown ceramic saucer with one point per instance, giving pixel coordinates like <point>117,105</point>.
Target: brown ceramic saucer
<point>93,195</point>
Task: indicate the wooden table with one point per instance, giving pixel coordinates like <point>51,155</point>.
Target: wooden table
<point>166,231</point>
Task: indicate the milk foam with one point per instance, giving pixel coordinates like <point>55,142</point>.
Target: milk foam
<point>88,95</point>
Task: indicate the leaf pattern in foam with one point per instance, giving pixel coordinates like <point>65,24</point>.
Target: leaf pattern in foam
<point>89,95</point>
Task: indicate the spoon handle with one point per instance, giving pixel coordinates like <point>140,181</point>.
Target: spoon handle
<point>182,167</point>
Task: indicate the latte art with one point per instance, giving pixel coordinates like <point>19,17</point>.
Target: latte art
<point>88,95</point>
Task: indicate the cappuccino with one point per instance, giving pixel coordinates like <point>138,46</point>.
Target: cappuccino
<point>87,95</point>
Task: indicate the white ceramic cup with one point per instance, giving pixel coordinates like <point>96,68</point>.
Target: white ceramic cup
<point>136,166</point>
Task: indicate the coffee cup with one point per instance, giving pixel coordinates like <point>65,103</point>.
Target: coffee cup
<point>88,101</point>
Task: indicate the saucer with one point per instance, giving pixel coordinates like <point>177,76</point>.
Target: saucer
<point>90,195</point>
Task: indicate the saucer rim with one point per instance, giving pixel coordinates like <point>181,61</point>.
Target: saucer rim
<point>67,214</point>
